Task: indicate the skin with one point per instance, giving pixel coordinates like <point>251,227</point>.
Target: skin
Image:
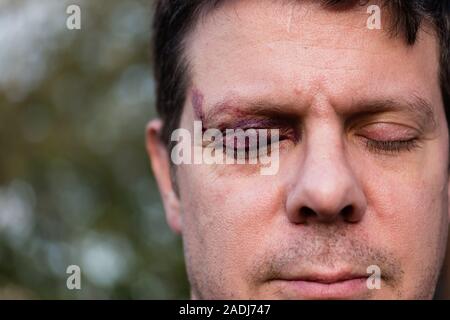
<point>340,202</point>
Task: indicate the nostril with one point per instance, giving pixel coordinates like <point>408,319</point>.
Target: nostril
<point>307,212</point>
<point>347,212</point>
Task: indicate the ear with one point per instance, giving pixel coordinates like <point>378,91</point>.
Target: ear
<point>448,196</point>
<point>160,162</point>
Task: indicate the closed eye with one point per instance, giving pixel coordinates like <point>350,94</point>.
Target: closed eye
<point>391,146</point>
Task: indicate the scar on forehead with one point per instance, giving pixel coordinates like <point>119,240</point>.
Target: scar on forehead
<point>197,104</point>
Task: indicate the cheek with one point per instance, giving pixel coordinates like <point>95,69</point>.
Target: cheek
<point>229,217</point>
<point>407,211</point>
<point>403,209</point>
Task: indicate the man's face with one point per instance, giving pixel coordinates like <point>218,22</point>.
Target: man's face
<point>363,157</point>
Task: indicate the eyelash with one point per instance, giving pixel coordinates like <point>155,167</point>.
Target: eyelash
<point>375,146</point>
<point>391,147</point>
<point>383,147</point>
<point>285,133</point>
<point>247,149</point>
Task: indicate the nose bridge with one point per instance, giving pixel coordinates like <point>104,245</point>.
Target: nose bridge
<point>325,186</point>
<point>325,167</point>
<point>325,149</point>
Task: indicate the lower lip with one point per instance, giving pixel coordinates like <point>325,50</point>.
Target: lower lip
<point>346,289</point>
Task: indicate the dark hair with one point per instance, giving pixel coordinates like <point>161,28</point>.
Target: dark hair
<point>174,19</point>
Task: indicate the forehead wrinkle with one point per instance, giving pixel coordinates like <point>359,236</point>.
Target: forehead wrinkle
<point>286,24</point>
<point>418,107</point>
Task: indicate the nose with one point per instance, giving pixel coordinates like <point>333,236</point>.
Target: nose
<point>325,189</point>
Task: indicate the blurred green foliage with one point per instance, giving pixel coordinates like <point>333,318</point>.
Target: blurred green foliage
<point>75,181</point>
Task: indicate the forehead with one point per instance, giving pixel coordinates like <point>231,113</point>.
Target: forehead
<point>294,51</point>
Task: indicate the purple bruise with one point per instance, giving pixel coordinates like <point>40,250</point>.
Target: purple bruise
<point>197,104</point>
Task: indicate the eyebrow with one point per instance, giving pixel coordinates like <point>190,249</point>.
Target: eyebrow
<point>243,108</point>
<point>417,107</point>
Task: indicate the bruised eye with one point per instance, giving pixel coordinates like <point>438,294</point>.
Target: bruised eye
<point>241,140</point>
<point>254,138</point>
<point>247,144</point>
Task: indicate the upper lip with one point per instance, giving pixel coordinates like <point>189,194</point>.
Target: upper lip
<point>326,278</point>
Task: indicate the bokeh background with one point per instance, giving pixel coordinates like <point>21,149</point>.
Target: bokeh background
<point>75,181</point>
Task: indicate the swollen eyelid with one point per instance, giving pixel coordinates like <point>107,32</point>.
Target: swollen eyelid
<point>388,132</point>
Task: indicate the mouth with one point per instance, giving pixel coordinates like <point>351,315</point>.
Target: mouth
<point>340,285</point>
